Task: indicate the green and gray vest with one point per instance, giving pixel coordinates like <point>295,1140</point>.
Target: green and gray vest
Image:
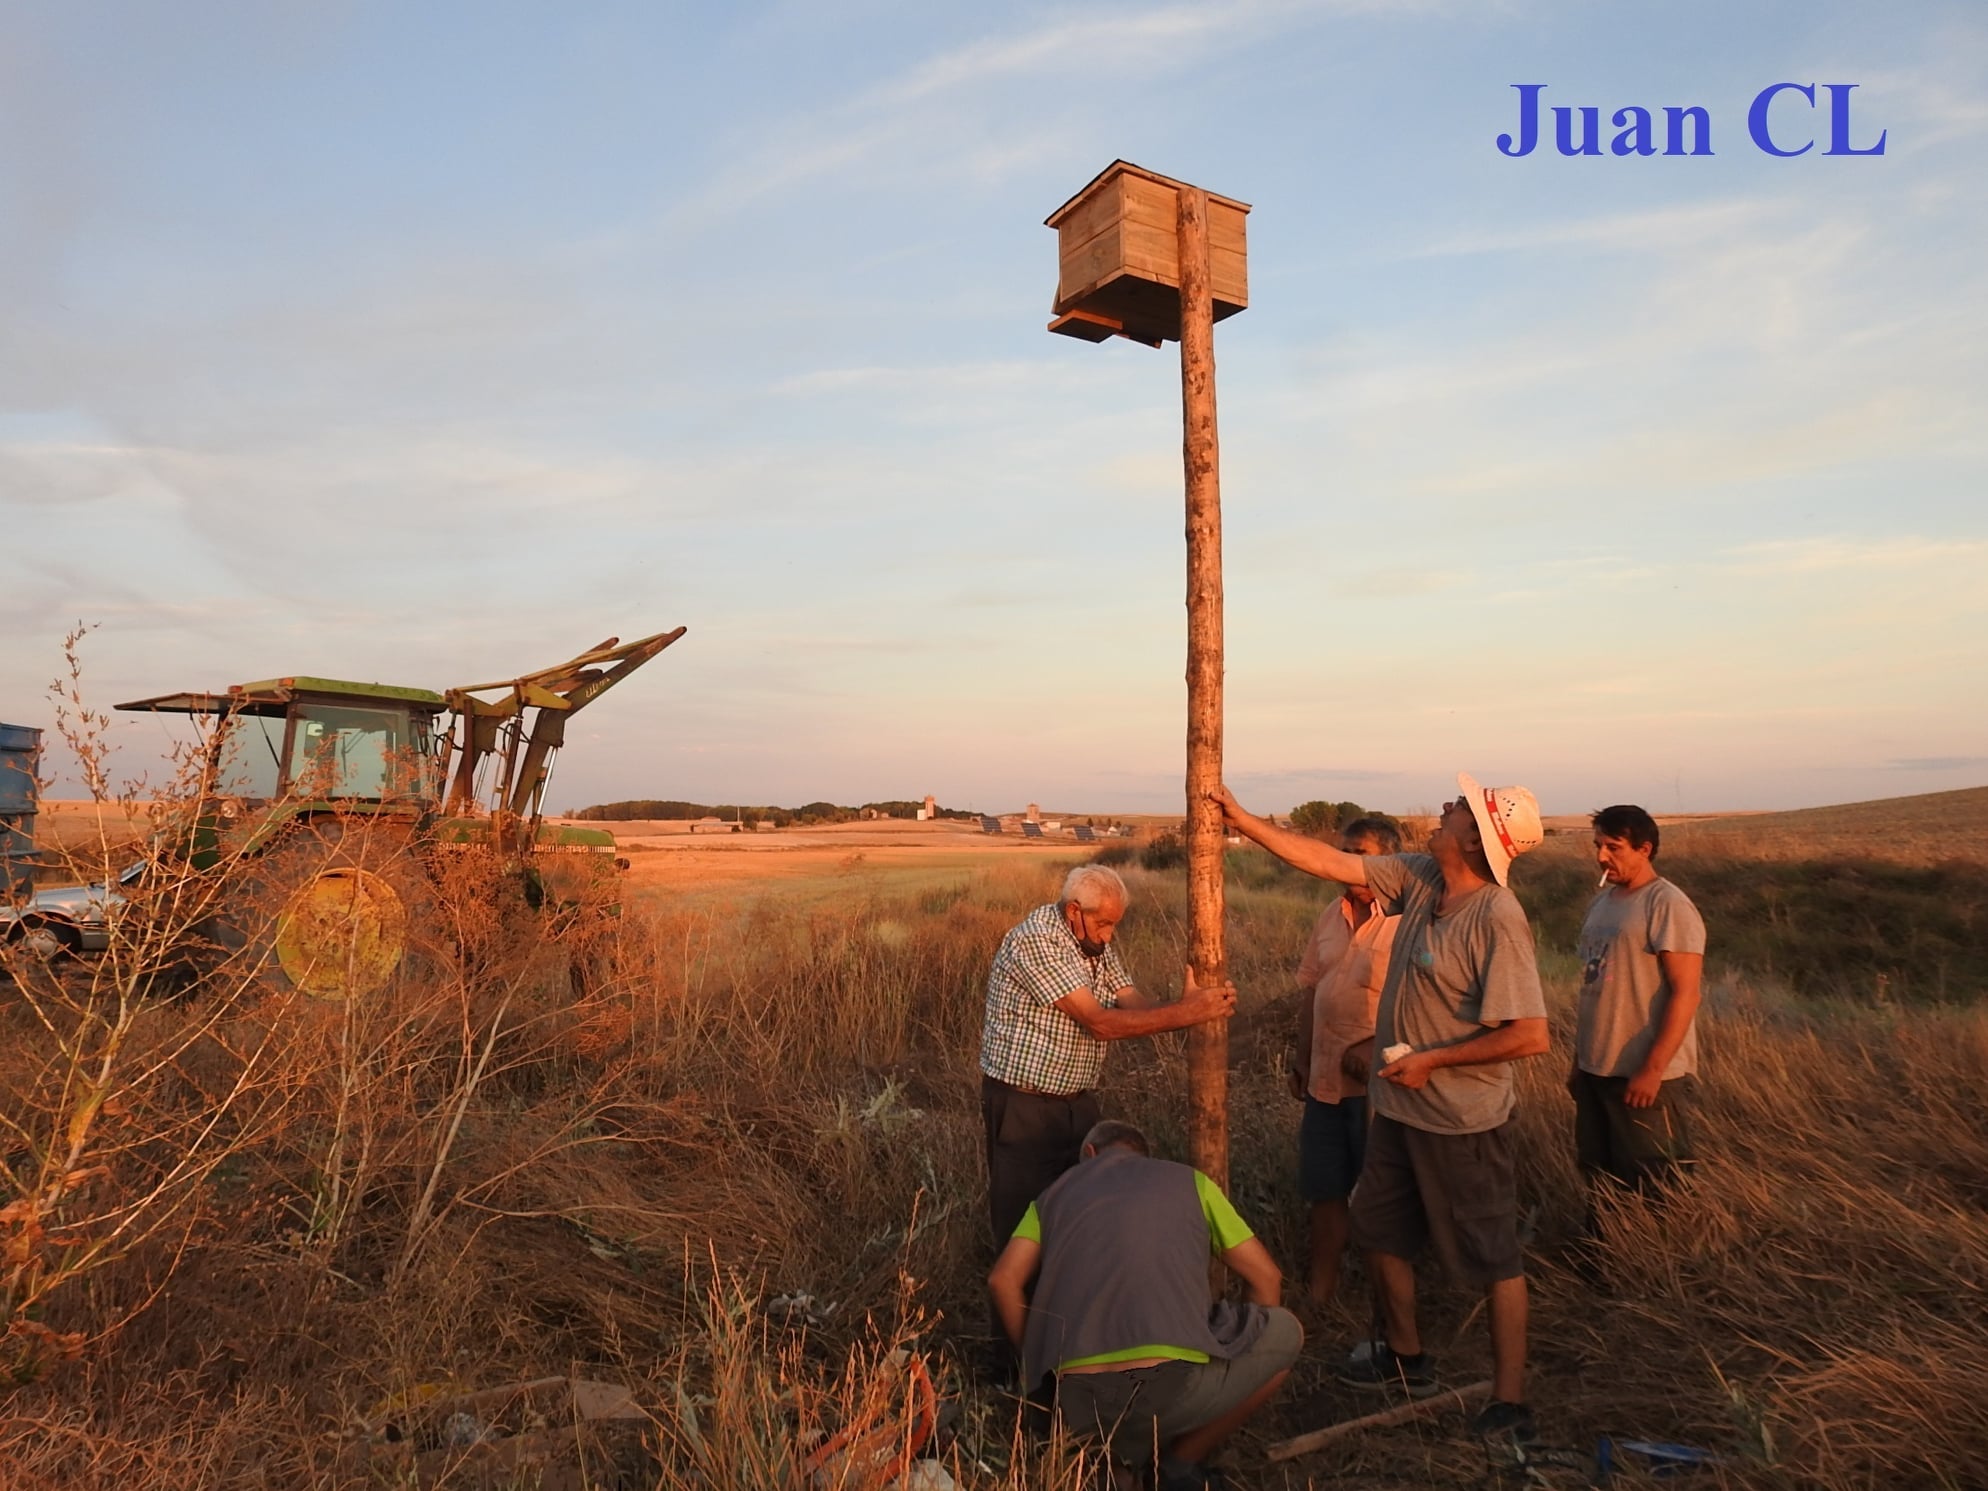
<point>1125,1247</point>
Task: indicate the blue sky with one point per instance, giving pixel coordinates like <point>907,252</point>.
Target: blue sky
<point>431,344</point>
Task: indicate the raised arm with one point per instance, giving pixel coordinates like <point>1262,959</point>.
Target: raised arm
<point>1313,856</point>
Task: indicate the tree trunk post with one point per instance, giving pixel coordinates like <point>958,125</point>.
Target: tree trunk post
<point>1207,1045</point>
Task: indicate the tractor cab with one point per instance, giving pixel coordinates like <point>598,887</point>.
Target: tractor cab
<point>289,747</point>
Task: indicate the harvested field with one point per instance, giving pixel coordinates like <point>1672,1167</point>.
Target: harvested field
<point>90,829</point>
<point>671,866</point>
<point>770,1090</point>
<point>1915,831</point>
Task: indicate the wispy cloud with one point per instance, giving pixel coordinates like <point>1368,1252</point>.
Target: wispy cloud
<point>917,114</point>
<point>980,376</point>
<point>1659,231</point>
<point>1136,39</point>
<point>1817,555</point>
<point>1128,37</point>
<point>1399,582</point>
<point>1316,776</point>
<point>1930,107</point>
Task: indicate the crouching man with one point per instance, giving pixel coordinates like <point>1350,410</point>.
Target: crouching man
<point>1120,1314</point>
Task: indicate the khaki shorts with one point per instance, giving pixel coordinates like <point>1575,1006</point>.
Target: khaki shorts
<point>1457,1193</point>
<point>1148,1408</point>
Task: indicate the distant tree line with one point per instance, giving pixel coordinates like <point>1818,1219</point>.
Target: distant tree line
<point>1167,850</point>
<point>1321,820</point>
<point>801,817</point>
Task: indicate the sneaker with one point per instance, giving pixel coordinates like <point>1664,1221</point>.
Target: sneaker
<point>1501,1420</point>
<point>1378,1369</point>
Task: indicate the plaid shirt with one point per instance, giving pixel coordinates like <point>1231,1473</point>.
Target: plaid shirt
<point>1026,1041</point>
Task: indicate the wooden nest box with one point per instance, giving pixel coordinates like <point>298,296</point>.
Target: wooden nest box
<point>1119,257</point>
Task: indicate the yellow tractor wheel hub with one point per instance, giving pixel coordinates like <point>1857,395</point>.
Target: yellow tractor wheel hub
<point>342,935</point>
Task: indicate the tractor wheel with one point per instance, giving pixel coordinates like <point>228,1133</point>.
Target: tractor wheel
<point>336,909</point>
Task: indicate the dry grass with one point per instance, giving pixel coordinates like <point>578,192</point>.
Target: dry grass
<point>779,1096</point>
<point>1870,902</point>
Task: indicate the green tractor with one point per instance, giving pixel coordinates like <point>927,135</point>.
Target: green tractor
<point>332,811</point>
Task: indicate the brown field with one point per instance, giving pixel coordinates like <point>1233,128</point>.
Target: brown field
<point>286,1218</point>
<point>669,865</point>
<point>84,826</point>
<point>1923,830</point>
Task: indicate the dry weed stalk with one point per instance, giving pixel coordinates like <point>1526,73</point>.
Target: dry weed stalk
<point>124,1102</point>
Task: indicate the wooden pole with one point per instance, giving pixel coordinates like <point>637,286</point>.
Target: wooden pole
<point>1304,1444</point>
<point>1207,1045</point>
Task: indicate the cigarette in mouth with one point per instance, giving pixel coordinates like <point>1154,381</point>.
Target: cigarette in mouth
<point>1603,881</point>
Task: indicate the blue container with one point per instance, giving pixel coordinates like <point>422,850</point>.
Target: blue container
<point>17,857</point>
<point>20,755</point>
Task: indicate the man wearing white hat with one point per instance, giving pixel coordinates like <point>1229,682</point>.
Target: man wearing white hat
<point>1462,1002</point>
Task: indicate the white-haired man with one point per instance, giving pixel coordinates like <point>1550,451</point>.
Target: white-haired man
<point>1461,1003</point>
<point>1057,994</point>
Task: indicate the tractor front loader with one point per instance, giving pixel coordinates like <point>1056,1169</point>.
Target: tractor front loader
<point>503,759</point>
<point>328,812</point>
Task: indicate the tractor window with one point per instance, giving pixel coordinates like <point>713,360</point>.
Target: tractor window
<point>251,758</point>
<point>343,750</point>
<point>424,757</point>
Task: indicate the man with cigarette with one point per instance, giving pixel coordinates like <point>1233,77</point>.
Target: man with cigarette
<point>1642,952</point>
<point>1462,1002</point>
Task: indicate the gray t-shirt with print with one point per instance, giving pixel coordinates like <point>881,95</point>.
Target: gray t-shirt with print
<point>1450,977</point>
<point>1623,989</point>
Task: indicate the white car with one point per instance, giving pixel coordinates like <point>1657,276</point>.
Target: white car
<point>67,918</point>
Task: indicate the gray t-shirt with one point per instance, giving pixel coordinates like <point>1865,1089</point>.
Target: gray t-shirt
<point>1623,989</point>
<point>1450,977</point>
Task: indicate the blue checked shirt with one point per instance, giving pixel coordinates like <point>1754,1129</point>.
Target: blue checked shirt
<point>1026,1042</point>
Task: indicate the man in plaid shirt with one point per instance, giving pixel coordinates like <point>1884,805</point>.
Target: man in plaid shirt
<point>1056,994</point>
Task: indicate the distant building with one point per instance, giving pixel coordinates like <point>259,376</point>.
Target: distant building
<point>930,810</point>
<point>1034,814</point>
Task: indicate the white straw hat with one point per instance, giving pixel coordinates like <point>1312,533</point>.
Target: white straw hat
<point>1507,821</point>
